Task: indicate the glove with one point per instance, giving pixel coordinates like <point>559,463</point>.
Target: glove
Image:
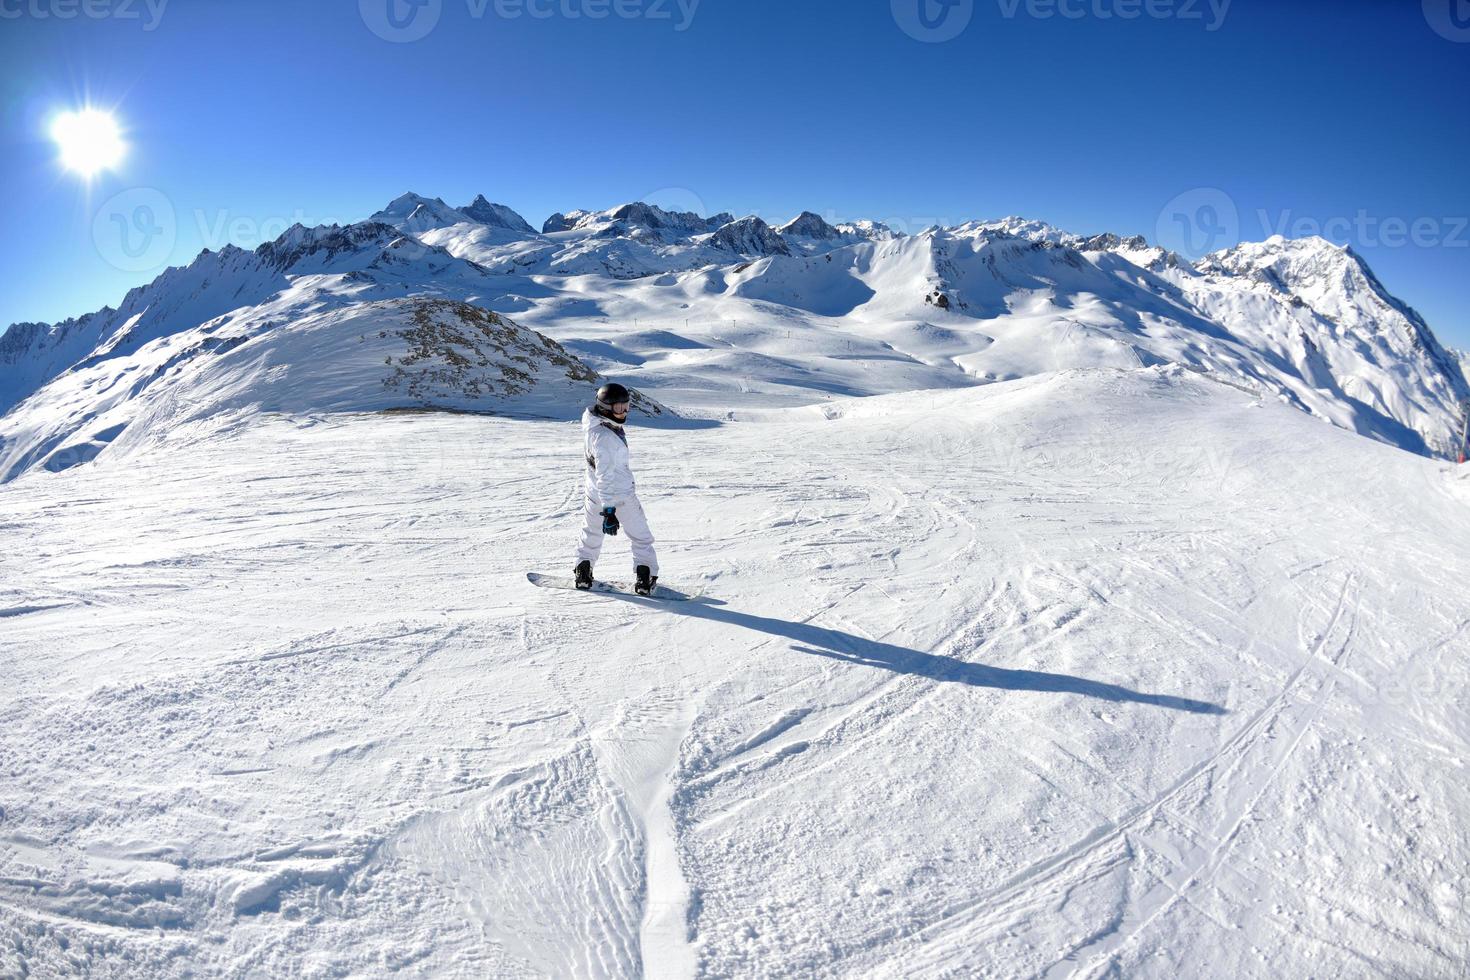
<point>610,523</point>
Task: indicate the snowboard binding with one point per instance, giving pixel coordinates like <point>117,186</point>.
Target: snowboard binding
<point>645,582</point>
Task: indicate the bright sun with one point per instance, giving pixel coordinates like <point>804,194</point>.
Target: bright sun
<point>89,141</point>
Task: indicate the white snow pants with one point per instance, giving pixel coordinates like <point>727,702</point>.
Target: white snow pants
<point>634,525</point>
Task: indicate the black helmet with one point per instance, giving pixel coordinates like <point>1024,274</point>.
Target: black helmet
<point>612,394</point>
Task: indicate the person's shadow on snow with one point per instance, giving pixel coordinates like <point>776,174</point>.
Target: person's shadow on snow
<point>837,645</point>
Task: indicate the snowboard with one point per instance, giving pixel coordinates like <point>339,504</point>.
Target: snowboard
<point>606,588</point>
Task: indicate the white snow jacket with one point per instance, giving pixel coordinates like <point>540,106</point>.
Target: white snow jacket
<point>609,472</point>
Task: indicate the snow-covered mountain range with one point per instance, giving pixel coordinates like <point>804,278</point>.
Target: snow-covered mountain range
<point>710,313</point>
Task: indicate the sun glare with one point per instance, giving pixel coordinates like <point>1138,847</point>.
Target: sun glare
<point>89,141</point>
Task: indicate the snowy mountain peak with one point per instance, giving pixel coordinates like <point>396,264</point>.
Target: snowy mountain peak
<point>324,244</point>
<point>808,225</point>
<point>1108,242</point>
<point>639,215</point>
<point>749,236</point>
<point>1280,252</point>
<point>1331,278</point>
<point>1348,334</point>
<point>875,231</point>
<point>810,234</point>
<point>414,212</point>
<point>18,340</point>
<point>357,247</point>
<point>1018,227</point>
<point>1294,258</point>
<point>496,215</point>
<point>636,220</point>
<point>562,222</point>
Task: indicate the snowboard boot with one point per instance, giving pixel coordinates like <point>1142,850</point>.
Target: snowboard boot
<point>584,575</point>
<point>646,581</point>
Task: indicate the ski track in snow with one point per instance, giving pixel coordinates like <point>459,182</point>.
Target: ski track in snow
<point>980,687</point>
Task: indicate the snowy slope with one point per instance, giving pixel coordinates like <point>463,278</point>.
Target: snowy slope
<point>214,284</point>
<point>360,257</point>
<point>1097,673</point>
<point>1305,321</point>
<point>363,357</point>
<point>325,323</point>
<point>950,309</point>
<point>1348,332</point>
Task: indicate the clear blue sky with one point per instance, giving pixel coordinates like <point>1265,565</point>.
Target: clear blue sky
<point>246,116</point>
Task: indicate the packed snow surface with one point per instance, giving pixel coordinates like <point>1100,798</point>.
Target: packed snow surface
<point>1108,672</point>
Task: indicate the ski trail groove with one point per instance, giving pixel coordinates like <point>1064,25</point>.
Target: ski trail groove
<point>999,903</point>
<point>640,754</point>
<point>1210,861</point>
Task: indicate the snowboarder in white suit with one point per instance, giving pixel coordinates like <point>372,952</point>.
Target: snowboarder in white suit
<point>612,497</point>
